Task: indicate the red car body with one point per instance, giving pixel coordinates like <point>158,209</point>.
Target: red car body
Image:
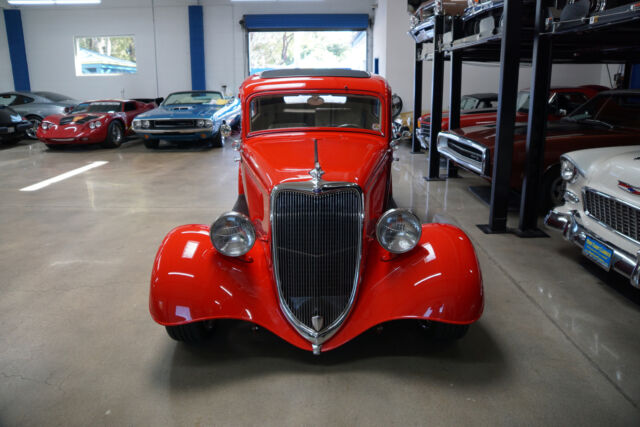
<point>573,97</point>
<point>474,147</point>
<point>438,280</point>
<point>74,128</point>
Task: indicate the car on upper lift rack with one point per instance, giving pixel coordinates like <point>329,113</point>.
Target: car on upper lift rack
<point>610,118</point>
<point>421,22</point>
<point>315,249</point>
<point>579,12</point>
<point>601,210</point>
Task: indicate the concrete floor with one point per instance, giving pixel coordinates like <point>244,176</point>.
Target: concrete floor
<point>558,343</point>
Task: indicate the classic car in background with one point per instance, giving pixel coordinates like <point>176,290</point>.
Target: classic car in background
<point>610,118</point>
<point>483,18</point>
<point>315,249</point>
<point>183,116</point>
<point>562,100</point>
<point>34,106</point>
<point>577,12</point>
<point>12,126</point>
<point>231,114</point>
<point>105,122</point>
<point>601,213</point>
<point>421,27</point>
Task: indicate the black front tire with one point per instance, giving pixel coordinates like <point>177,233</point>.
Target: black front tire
<point>191,333</point>
<point>216,141</point>
<point>553,189</point>
<point>151,144</point>
<point>115,135</point>
<point>439,331</point>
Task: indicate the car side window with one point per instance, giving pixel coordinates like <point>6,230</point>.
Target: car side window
<point>129,106</point>
<point>569,101</point>
<point>7,99</point>
<point>27,100</point>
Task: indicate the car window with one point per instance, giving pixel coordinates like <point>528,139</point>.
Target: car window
<point>52,96</point>
<point>618,110</point>
<point>315,110</point>
<point>130,106</point>
<point>25,100</point>
<point>522,103</point>
<point>204,97</point>
<point>98,107</point>
<point>468,103</point>
<point>7,99</point>
<point>569,101</point>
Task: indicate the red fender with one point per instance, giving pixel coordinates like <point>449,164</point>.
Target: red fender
<point>439,280</point>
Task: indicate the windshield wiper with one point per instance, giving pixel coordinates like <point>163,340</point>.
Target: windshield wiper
<point>596,122</point>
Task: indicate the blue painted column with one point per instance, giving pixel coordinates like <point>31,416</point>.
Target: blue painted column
<point>635,77</point>
<point>196,39</point>
<point>17,52</point>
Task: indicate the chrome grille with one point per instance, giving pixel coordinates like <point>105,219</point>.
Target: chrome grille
<point>619,216</point>
<point>316,248</point>
<point>465,150</point>
<point>173,124</point>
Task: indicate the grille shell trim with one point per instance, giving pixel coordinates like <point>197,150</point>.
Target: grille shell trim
<point>309,187</point>
<point>612,202</point>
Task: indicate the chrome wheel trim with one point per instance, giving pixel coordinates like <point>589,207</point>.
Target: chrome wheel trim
<point>35,124</point>
<point>116,134</point>
<point>556,191</point>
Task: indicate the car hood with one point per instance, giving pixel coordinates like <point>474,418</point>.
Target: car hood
<point>486,135</point>
<point>181,112</point>
<point>288,157</point>
<point>80,118</point>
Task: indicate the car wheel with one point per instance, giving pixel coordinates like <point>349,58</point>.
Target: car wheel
<point>35,124</point>
<point>439,331</point>
<point>216,141</point>
<point>191,333</point>
<point>115,135</point>
<point>553,189</point>
<point>151,143</point>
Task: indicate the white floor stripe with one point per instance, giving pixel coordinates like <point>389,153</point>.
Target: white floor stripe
<point>63,176</point>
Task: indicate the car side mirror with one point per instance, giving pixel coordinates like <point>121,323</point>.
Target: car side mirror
<point>225,129</point>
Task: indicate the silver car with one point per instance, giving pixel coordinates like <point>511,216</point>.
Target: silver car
<point>34,106</point>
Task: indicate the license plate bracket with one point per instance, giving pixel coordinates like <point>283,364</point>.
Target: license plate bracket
<point>598,252</point>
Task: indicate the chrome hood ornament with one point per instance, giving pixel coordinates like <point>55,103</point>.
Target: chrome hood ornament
<point>317,172</point>
<point>629,188</point>
<point>317,322</point>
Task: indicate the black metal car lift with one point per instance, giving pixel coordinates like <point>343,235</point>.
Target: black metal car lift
<point>614,39</point>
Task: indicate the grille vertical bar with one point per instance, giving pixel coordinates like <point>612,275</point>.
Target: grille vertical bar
<point>623,218</point>
<point>317,243</point>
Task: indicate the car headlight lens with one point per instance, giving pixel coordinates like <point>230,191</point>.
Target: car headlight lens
<point>136,123</point>
<point>568,171</point>
<point>232,234</point>
<point>146,124</point>
<point>204,123</point>
<point>46,125</point>
<point>92,125</point>
<point>398,231</point>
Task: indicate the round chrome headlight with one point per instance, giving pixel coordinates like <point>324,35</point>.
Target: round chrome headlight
<point>398,231</point>
<point>145,124</point>
<point>200,123</point>
<point>46,125</point>
<point>232,234</point>
<point>92,125</point>
<point>568,171</point>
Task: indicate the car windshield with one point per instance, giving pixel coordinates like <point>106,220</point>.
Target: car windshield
<point>52,96</point>
<point>522,103</point>
<point>194,98</point>
<point>97,107</point>
<point>316,110</point>
<point>610,110</point>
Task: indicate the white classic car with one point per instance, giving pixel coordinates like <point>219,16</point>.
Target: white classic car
<point>601,213</point>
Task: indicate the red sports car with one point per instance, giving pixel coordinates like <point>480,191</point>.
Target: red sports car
<point>562,100</point>
<point>105,122</point>
<point>315,249</point>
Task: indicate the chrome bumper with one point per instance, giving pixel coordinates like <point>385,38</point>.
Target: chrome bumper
<point>621,261</point>
<point>480,167</point>
<point>170,130</point>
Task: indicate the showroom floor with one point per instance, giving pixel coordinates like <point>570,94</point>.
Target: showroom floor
<point>558,344</point>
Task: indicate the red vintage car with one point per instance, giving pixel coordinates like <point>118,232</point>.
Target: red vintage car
<point>105,122</point>
<point>562,100</point>
<point>315,249</point>
<point>609,119</point>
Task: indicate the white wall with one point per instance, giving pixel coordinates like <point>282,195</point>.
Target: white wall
<point>6,76</point>
<point>392,24</point>
<point>49,33</point>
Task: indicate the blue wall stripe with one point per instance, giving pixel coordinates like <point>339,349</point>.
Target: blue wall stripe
<point>196,40</point>
<point>17,52</point>
<point>350,21</point>
<point>635,77</point>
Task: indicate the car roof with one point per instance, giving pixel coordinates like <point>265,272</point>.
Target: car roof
<point>314,72</point>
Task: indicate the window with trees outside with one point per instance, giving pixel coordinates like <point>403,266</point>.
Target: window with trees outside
<point>307,49</point>
<point>105,55</point>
